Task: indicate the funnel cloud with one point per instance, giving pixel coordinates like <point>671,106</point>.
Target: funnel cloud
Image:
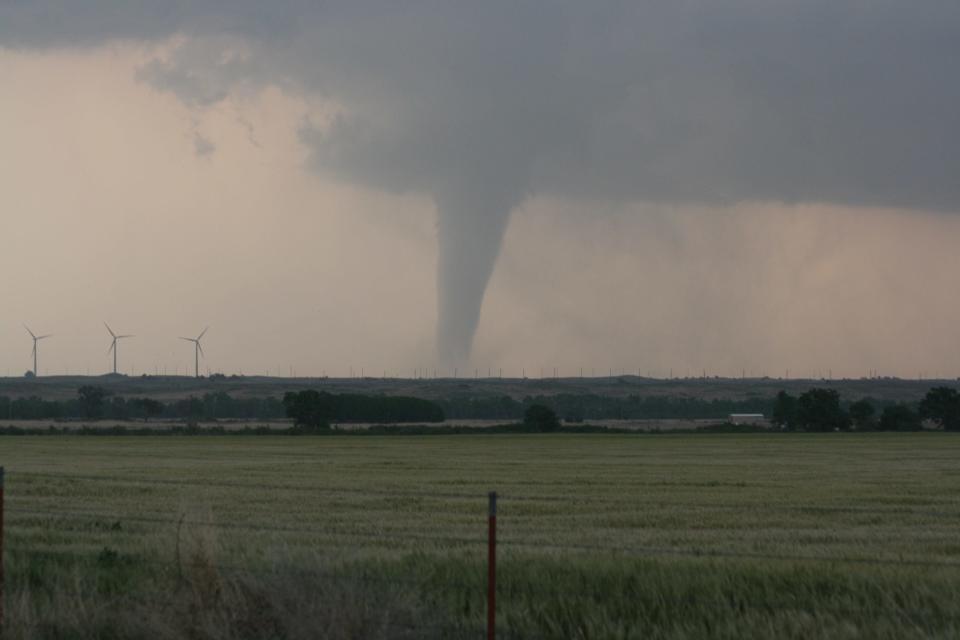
<point>481,106</point>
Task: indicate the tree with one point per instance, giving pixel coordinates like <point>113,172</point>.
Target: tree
<point>309,408</point>
<point>899,417</point>
<point>862,412</point>
<point>540,418</point>
<point>190,408</point>
<point>91,400</point>
<point>819,410</point>
<point>785,411</point>
<point>148,407</point>
<point>942,405</point>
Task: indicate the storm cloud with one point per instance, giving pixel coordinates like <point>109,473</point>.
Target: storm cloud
<point>483,105</point>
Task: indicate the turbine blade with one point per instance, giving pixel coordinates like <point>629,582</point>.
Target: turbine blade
<point>129,335</point>
<point>34,351</point>
<point>200,346</point>
<point>109,329</point>
<point>30,332</point>
<point>187,339</point>
<point>203,332</point>
<point>112,345</point>
<point>49,335</point>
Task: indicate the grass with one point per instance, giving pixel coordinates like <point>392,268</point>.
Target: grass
<point>602,536</point>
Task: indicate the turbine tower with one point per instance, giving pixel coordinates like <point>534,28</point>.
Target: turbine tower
<point>36,339</point>
<point>113,345</point>
<point>197,350</point>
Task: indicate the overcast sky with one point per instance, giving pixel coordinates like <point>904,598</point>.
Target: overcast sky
<point>729,186</point>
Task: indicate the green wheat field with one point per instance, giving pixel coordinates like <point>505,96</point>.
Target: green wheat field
<point>600,536</point>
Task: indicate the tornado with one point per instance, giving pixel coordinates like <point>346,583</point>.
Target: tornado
<point>468,246</point>
<point>471,223</point>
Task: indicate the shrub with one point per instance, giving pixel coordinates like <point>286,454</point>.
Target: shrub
<point>540,418</point>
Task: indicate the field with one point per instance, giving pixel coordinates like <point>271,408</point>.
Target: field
<point>601,536</point>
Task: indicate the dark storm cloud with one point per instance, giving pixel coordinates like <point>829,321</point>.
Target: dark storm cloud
<point>483,104</point>
<point>851,102</point>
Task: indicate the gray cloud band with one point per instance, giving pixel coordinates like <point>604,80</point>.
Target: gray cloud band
<point>483,104</point>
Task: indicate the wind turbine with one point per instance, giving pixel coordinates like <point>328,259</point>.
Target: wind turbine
<point>113,345</point>
<point>36,339</point>
<point>197,350</point>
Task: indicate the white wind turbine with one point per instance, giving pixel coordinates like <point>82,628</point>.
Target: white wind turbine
<point>36,339</point>
<point>113,344</point>
<point>197,350</point>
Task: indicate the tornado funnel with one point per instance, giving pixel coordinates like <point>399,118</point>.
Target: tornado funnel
<point>469,233</point>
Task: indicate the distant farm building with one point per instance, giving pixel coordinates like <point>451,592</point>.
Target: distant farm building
<point>747,418</point>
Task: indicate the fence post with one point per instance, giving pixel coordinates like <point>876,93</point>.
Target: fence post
<point>1,552</point>
<point>492,568</point>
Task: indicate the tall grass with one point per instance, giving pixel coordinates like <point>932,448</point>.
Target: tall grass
<point>752,536</point>
<point>419,596</point>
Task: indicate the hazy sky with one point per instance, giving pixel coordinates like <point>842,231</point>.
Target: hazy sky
<point>730,186</point>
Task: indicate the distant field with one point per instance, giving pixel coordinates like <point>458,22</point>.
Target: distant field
<point>670,536</point>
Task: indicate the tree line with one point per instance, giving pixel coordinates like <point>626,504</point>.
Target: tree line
<point>96,403</point>
<point>93,402</point>
<point>822,410</point>
<point>583,407</point>
<point>317,409</point>
<point>815,410</point>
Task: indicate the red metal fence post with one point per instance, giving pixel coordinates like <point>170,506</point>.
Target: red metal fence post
<point>492,569</point>
<point>1,552</point>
